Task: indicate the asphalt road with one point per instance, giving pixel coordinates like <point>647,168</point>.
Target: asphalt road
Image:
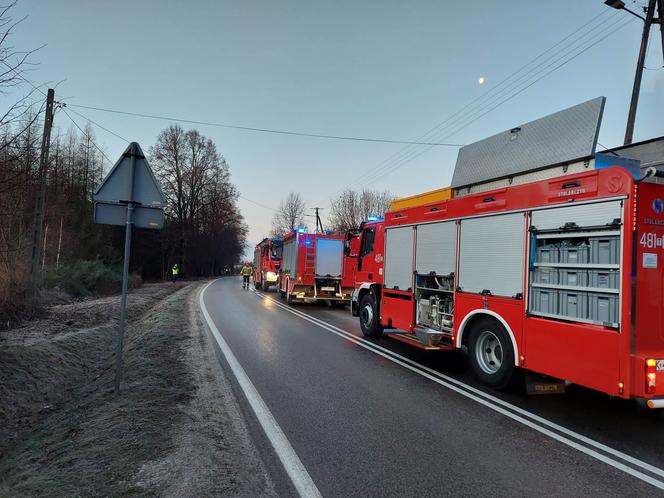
<point>380,418</point>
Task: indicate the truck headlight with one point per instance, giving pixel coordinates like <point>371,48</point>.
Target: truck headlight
<point>271,276</point>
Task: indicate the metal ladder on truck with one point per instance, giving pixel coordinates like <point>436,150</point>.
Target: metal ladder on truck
<point>310,258</point>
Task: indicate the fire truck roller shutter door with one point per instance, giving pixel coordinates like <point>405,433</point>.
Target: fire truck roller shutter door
<point>398,272</point>
<point>435,250</point>
<point>491,254</point>
<point>329,257</point>
<point>584,215</point>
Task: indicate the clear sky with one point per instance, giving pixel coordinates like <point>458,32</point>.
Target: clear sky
<point>385,69</point>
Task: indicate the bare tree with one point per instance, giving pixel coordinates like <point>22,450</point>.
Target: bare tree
<point>196,183</point>
<point>350,208</point>
<point>289,216</point>
<point>14,65</point>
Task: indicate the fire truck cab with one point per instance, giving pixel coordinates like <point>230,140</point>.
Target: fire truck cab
<point>267,261</point>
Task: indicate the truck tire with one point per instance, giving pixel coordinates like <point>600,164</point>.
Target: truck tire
<point>258,285</point>
<point>369,319</point>
<point>491,353</point>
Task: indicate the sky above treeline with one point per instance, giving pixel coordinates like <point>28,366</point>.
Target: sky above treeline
<point>377,69</point>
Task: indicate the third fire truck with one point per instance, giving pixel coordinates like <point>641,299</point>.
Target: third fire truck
<point>267,261</point>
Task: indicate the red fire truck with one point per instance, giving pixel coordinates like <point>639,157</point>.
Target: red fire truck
<point>316,266</point>
<point>562,277</point>
<point>267,261</point>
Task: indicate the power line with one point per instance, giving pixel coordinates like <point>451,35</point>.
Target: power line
<point>479,111</point>
<point>265,130</point>
<point>405,151</point>
<point>258,203</point>
<point>406,159</point>
<point>86,135</point>
<point>97,124</point>
<point>122,138</point>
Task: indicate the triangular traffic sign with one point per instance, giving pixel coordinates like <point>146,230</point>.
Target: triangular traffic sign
<point>118,187</point>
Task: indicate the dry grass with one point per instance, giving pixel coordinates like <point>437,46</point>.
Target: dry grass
<point>176,429</point>
<point>74,436</point>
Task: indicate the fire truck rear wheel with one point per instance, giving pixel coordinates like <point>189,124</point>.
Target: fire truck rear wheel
<point>491,353</point>
<point>368,312</point>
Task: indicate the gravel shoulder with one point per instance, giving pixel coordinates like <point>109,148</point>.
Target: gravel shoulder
<point>176,429</point>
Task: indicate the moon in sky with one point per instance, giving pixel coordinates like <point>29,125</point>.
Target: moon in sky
<point>481,80</point>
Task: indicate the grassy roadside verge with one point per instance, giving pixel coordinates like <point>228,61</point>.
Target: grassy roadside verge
<point>90,446</point>
<point>94,443</point>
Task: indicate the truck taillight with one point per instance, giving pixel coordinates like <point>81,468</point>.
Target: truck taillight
<point>651,376</point>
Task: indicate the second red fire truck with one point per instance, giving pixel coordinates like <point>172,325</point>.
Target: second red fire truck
<point>315,267</point>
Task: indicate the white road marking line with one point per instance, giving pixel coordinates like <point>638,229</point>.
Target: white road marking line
<point>492,402</point>
<point>521,411</point>
<point>298,474</point>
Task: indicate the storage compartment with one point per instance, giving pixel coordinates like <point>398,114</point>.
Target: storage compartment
<point>544,300</point>
<point>329,257</point>
<point>603,307</point>
<point>576,272</point>
<point>604,250</point>
<point>574,254</point>
<point>604,279</point>
<point>545,275</point>
<point>398,270</point>
<point>573,304</point>
<point>434,298</point>
<point>574,277</point>
<point>548,253</point>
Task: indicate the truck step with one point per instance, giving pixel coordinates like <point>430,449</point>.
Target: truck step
<point>414,341</point>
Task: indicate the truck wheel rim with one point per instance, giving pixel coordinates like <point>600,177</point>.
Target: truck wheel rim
<point>489,352</point>
<point>367,315</point>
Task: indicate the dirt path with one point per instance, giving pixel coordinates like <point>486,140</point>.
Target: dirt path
<point>175,430</point>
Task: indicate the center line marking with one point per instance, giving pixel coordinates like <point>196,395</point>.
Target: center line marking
<point>517,414</point>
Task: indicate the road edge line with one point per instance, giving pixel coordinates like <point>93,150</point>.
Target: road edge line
<point>296,471</point>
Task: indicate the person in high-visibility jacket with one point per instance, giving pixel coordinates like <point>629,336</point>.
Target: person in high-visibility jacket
<point>246,272</point>
<point>174,272</point>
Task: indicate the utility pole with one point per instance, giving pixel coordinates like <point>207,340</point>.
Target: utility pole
<point>319,223</point>
<point>40,200</point>
<point>648,21</point>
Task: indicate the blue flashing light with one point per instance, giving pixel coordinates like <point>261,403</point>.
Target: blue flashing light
<point>307,242</point>
<point>301,230</point>
<point>374,218</point>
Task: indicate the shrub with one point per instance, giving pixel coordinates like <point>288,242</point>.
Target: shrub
<point>89,277</point>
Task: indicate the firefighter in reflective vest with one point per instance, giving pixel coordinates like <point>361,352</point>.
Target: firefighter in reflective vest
<point>246,273</point>
<point>174,272</point>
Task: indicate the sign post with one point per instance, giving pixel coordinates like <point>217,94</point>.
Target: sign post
<point>129,195</point>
